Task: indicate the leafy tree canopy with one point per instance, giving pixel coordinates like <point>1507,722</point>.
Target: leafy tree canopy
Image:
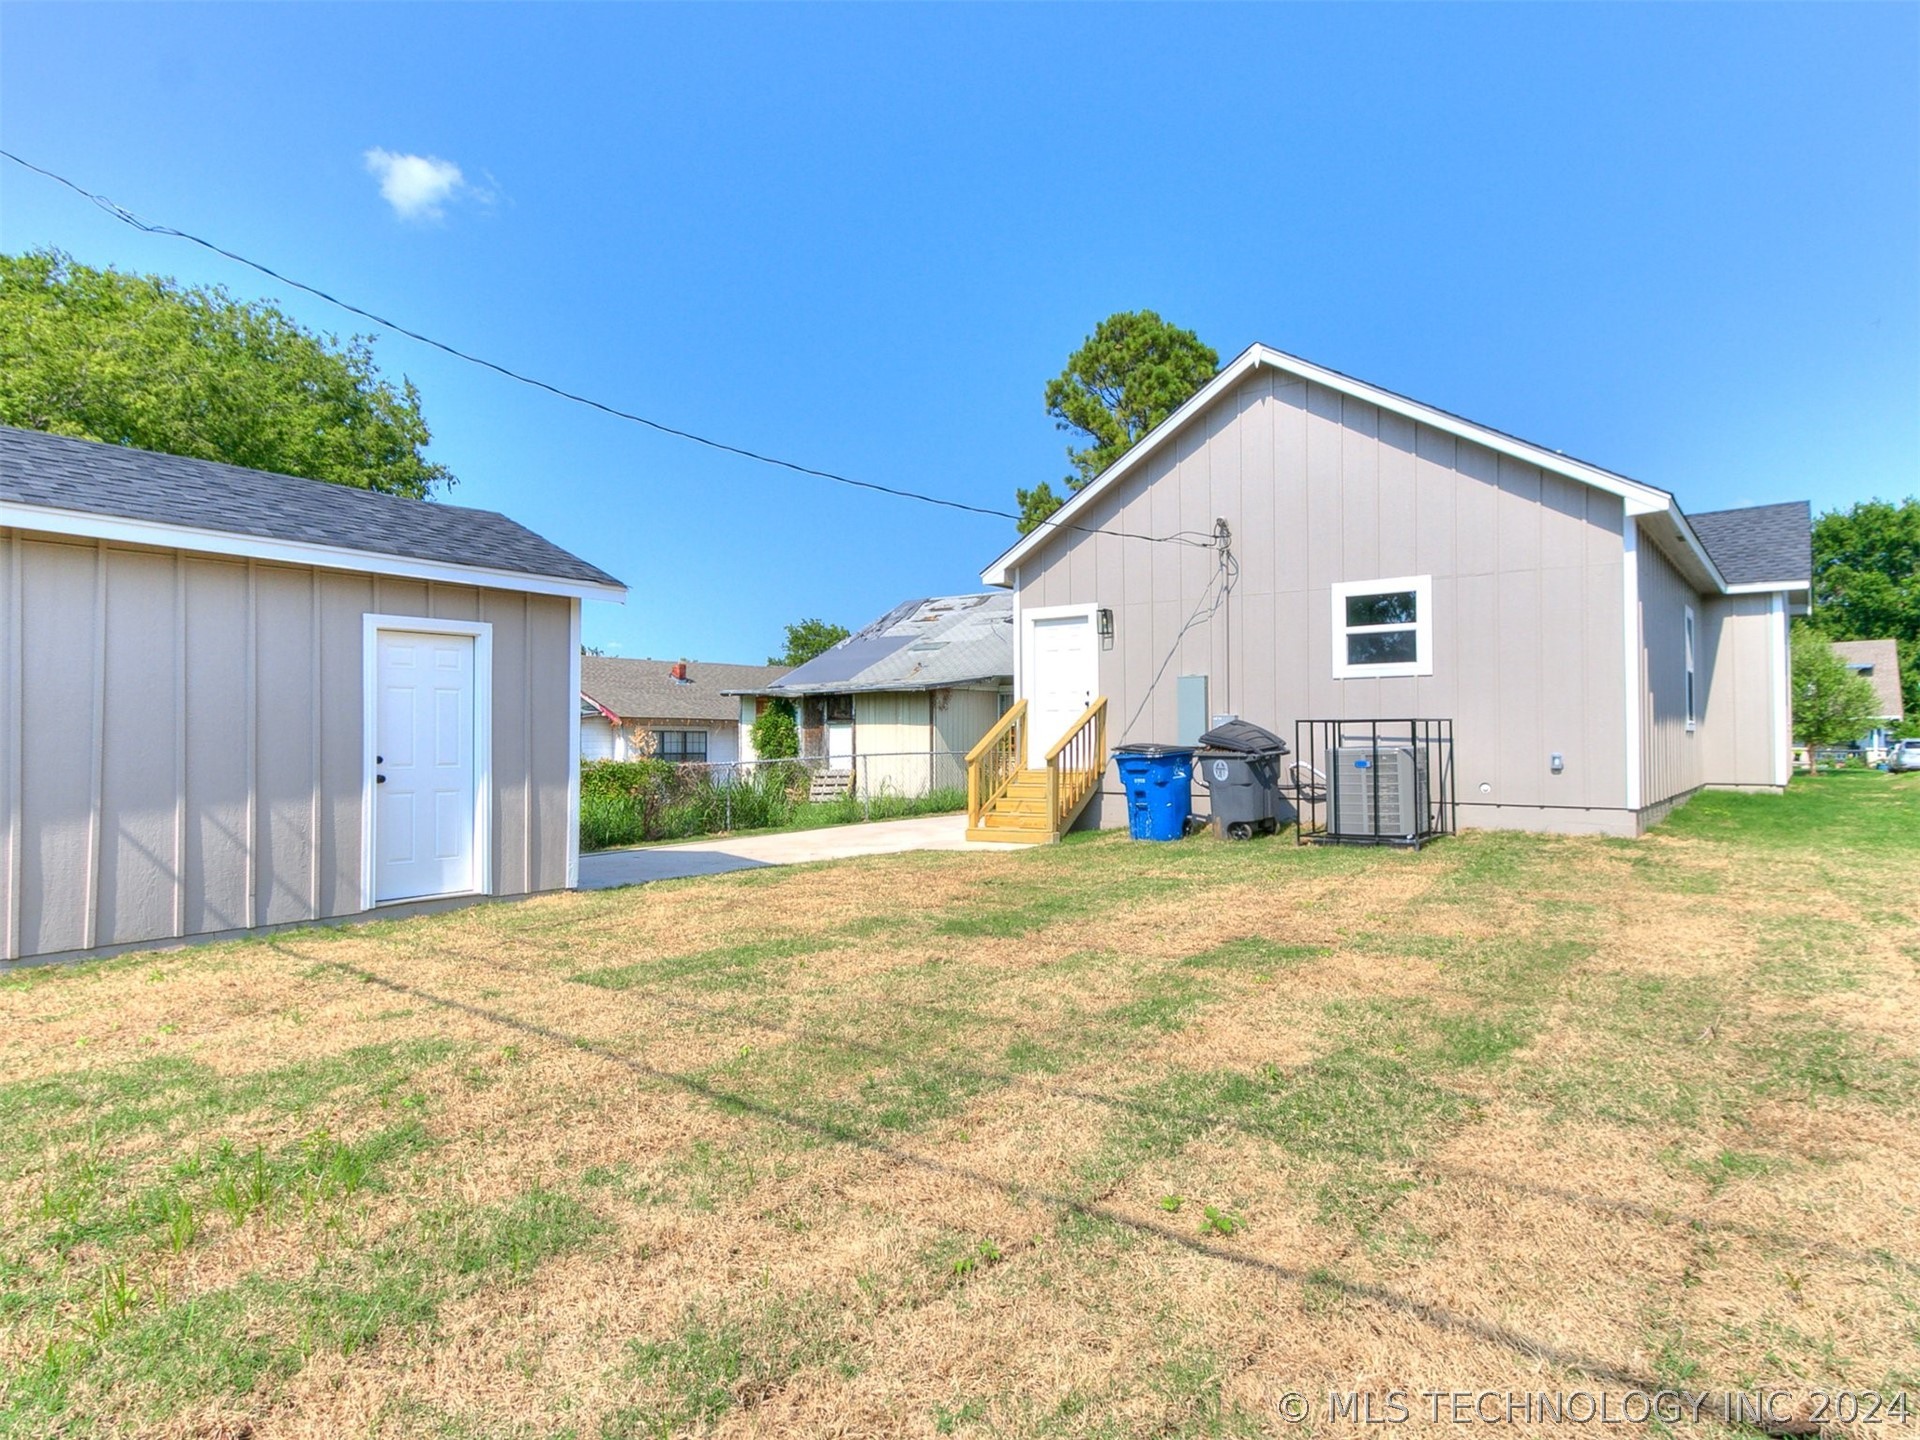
<point>1831,704</point>
<point>806,639</point>
<point>142,360</point>
<point>1866,580</point>
<point>1133,372</point>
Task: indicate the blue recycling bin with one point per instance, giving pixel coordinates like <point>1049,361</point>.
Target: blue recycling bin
<point>1159,786</point>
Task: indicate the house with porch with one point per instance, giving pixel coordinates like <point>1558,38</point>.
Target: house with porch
<point>1294,544</point>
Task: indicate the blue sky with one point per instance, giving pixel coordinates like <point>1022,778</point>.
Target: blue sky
<point>1681,242</point>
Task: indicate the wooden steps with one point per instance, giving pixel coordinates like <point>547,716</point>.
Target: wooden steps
<point>1012,801</point>
<point>1019,815</point>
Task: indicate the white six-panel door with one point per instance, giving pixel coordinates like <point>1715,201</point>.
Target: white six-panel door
<point>1060,672</point>
<point>425,774</point>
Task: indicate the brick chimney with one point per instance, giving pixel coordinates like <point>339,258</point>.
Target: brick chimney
<point>680,672</point>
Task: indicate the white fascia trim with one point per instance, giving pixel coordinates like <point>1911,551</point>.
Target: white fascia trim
<point>1782,699</point>
<point>1630,678</point>
<point>1770,587</point>
<point>1639,499</point>
<point>481,632</point>
<point>573,750</point>
<point>84,525</point>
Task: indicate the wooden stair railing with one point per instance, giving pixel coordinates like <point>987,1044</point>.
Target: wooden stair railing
<point>995,762</point>
<point>1074,767</point>
<point>1009,801</point>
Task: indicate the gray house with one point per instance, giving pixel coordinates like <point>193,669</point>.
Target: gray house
<point>231,699</point>
<point>1302,545</point>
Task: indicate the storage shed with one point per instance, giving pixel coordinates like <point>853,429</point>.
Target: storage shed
<point>232,700</point>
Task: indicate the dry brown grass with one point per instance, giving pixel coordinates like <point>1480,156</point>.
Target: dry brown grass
<point>1506,1115</point>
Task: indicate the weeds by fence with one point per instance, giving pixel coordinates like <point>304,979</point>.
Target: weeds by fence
<point>629,802</point>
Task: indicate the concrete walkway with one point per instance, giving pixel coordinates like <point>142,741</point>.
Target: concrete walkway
<point>604,869</point>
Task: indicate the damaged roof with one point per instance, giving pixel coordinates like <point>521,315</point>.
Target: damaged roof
<point>928,644</point>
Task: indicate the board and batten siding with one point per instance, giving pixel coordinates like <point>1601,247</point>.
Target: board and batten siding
<point>1744,743</point>
<point>183,740</point>
<point>1671,756</point>
<point>1319,487</point>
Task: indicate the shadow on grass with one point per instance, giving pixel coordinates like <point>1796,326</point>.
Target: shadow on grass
<point>1438,1317</point>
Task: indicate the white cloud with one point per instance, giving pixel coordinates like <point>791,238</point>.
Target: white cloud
<point>417,186</point>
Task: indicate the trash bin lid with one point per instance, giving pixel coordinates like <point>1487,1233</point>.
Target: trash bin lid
<point>1243,737</point>
<point>1148,748</point>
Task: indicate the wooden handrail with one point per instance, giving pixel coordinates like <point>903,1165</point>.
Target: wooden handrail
<point>1075,765</point>
<point>1000,726</point>
<point>1074,729</point>
<point>993,763</point>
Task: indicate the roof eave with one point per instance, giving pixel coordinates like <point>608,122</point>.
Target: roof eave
<point>1639,498</point>
<point>87,524</point>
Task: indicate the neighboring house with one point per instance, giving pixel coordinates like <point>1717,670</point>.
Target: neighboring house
<point>235,699</point>
<point>1600,655</point>
<point>686,709</point>
<point>1878,661</point>
<point>898,704</point>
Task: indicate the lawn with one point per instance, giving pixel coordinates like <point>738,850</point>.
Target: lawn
<point>1095,1140</point>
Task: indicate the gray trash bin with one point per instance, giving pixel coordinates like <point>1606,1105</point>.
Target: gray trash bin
<point>1239,763</point>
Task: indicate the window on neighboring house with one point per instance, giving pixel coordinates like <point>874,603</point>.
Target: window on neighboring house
<point>1383,627</point>
<point>683,747</point>
<point>1692,712</point>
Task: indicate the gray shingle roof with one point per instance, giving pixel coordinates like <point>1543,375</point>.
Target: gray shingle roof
<point>62,473</point>
<point>921,645</point>
<point>1880,661</point>
<point>1760,544</point>
<point>646,689</point>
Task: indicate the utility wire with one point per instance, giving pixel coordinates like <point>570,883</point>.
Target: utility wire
<point>126,216</point>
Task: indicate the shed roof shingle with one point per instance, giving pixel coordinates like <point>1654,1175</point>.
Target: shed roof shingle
<point>62,473</point>
<point>1761,543</point>
<point>646,689</point>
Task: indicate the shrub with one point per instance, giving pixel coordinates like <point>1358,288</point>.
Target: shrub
<point>775,735</point>
<point>626,802</point>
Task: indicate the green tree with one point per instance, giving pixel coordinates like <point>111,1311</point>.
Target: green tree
<point>1831,704</point>
<point>142,360</point>
<point>1133,372</point>
<point>807,639</point>
<point>1866,581</point>
<point>776,736</point>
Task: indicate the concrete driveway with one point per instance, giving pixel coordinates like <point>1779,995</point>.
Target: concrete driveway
<point>604,869</point>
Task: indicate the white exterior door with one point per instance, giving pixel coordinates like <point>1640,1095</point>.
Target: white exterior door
<point>425,783</point>
<point>1060,671</point>
<point>839,746</point>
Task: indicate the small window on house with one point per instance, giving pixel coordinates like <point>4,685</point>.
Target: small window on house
<point>683,747</point>
<point>1383,627</point>
<point>1691,711</point>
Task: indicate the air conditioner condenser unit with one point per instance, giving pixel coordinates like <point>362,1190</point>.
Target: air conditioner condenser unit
<point>1379,792</point>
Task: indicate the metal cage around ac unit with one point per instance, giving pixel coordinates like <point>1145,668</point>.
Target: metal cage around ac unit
<point>1373,782</point>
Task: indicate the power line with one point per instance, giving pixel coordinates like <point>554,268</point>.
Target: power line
<point>127,217</point>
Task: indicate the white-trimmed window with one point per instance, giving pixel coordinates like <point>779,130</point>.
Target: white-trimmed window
<point>1383,627</point>
<point>1692,711</point>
